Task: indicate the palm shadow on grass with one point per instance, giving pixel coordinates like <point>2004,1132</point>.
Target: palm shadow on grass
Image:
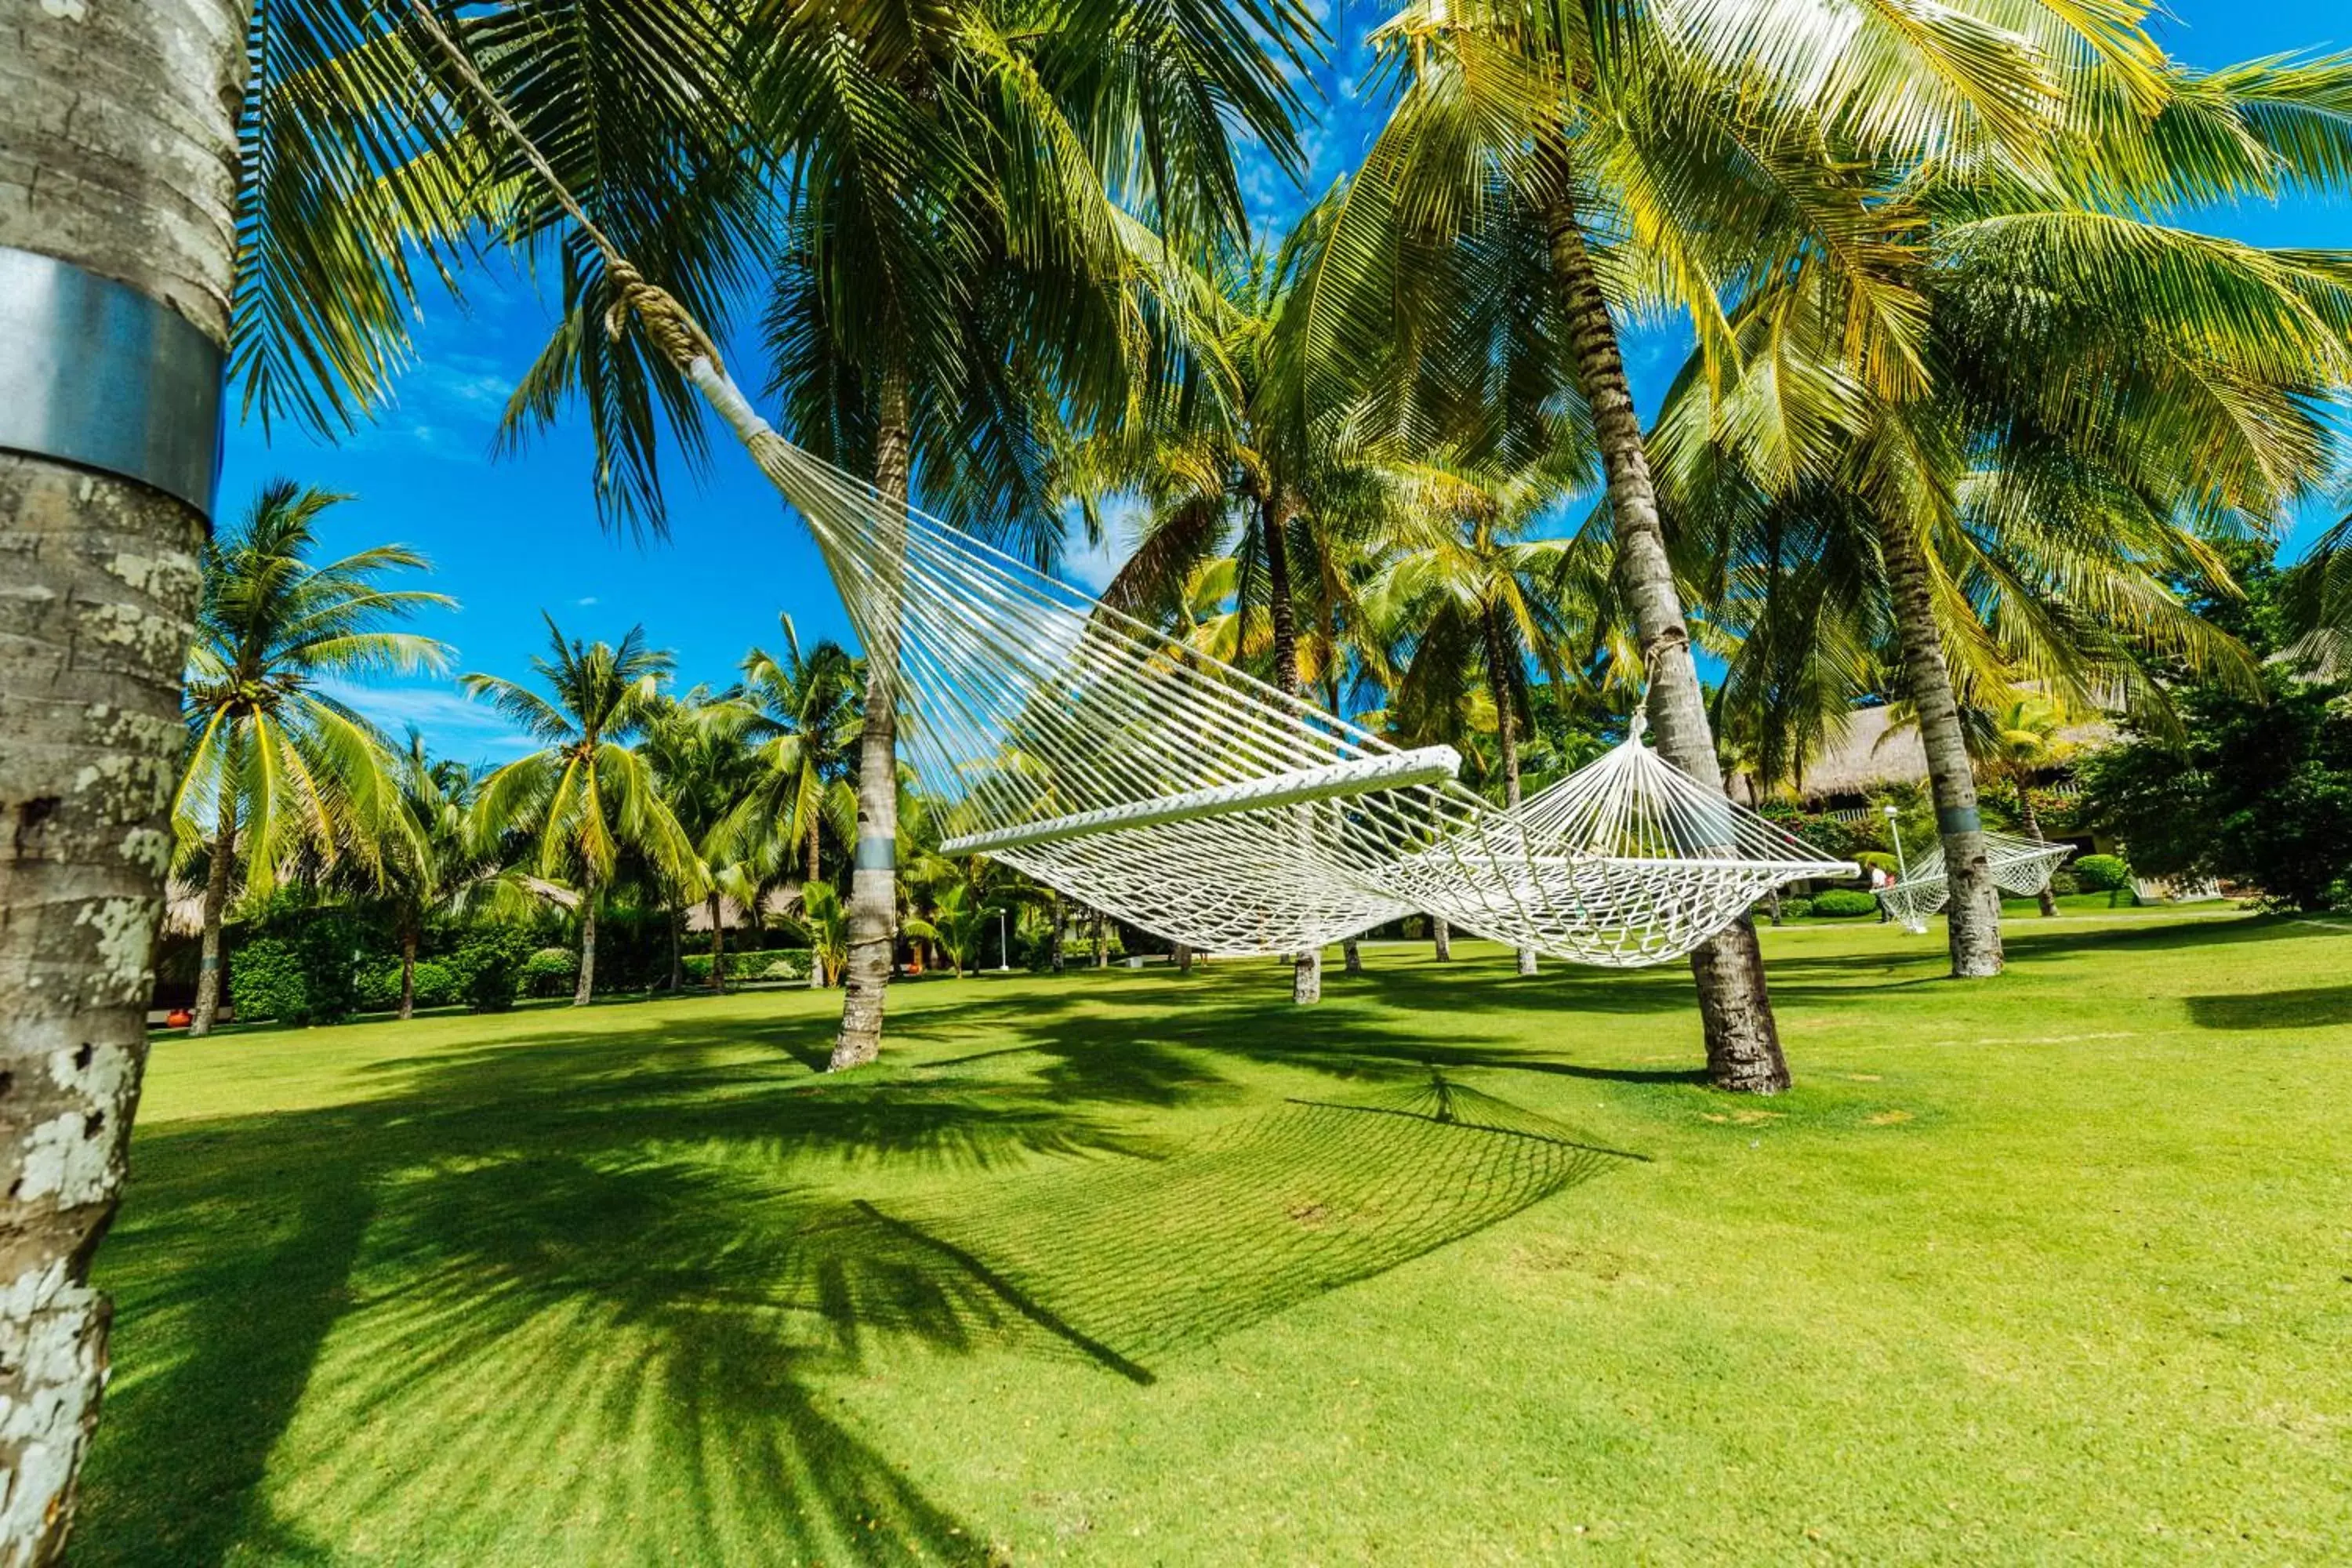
<point>580,1290</point>
<point>2309,1008</point>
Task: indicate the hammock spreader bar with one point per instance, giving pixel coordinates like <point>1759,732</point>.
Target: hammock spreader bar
<point>1333,781</point>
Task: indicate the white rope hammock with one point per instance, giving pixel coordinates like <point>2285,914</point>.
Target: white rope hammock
<point>2019,866</point>
<point>1138,775</point>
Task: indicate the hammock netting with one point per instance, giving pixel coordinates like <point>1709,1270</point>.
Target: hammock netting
<point>1134,774</point>
<point>2019,866</point>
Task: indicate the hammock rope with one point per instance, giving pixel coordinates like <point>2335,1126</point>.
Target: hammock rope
<point>2019,866</point>
<point>1107,760</point>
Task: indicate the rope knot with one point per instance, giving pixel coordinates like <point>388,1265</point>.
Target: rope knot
<point>669,326</point>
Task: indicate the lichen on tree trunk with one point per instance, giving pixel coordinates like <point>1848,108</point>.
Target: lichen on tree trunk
<point>119,125</point>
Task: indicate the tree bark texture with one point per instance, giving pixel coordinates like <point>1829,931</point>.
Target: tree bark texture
<point>585,988</point>
<point>1054,958</point>
<point>1441,936</point>
<point>2047,899</point>
<point>1351,956</point>
<point>1282,618</point>
<point>1184,956</point>
<point>1504,691</point>
<point>874,873</point>
<point>1743,1042</point>
<point>407,970</point>
<point>212,971</point>
<point>1972,918</point>
<point>718,944</point>
<point>117,154</point>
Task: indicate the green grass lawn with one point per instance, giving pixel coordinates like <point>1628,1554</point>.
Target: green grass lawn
<point>1129,1267</point>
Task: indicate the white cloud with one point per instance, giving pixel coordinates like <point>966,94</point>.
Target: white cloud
<point>583,604</point>
<point>1092,566</point>
<point>452,723</point>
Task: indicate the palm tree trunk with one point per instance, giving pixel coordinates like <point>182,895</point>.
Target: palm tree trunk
<point>1972,918</point>
<point>2043,895</point>
<point>1053,940</point>
<point>815,870</point>
<point>1351,956</point>
<point>586,986</point>
<point>211,975</point>
<point>1102,942</point>
<point>874,868</point>
<point>407,968</point>
<point>1743,1042</point>
<point>1184,956</point>
<point>121,124</point>
<point>677,956</point>
<point>718,944</point>
<point>1504,691</point>
<point>1282,614</point>
<point>1442,939</point>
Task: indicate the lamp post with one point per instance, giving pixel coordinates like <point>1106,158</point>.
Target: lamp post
<point>1003,948</point>
<point>1902,866</point>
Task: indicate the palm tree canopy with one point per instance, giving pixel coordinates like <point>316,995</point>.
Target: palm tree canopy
<point>288,767</point>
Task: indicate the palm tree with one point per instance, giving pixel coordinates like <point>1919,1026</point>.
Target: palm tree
<point>704,770</point>
<point>434,864</point>
<point>275,766</point>
<point>805,725</point>
<point>963,276</point>
<point>1480,602</point>
<point>261,180</point>
<point>585,795</point>
<point>2095,391</point>
<point>2018,740</point>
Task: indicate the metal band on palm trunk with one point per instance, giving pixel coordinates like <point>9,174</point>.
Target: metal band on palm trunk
<point>95,373</point>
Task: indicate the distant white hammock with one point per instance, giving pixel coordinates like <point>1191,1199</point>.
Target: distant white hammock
<point>2019,866</point>
<point>1139,776</point>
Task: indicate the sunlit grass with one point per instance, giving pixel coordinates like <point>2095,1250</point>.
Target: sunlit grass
<point>1131,1267</point>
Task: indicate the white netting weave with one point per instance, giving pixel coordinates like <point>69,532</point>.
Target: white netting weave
<point>1145,779</point>
<point>2019,866</point>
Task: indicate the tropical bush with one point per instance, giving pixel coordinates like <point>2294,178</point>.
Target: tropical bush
<point>752,963</point>
<point>1795,908</point>
<point>1843,904</point>
<point>379,986</point>
<point>488,966</point>
<point>551,972</point>
<point>2102,874</point>
<point>265,981</point>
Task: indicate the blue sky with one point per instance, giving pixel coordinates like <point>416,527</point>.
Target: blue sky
<point>515,535</point>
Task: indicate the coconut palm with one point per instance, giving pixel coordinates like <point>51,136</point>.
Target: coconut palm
<point>277,767</point>
<point>963,276</point>
<point>705,768</point>
<point>957,922</point>
<point>276,177</point>
<point>2095,389</point>
<point>585,795</point>
<point>1483,604</point>
<point>434,865</point>
<point>804,709</point>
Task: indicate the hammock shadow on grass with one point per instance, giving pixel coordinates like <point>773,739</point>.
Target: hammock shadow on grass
<point>567,1298</point>
<point>2310,1007</point>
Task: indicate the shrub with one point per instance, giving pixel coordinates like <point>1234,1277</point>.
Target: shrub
<point>265,981</point>
<point>1795,908</point>
<point>379,986</point>
<point>1843,904</point>
<point>488,965</point>
<point>551,972</point>
<point>2102,873</point>
<point>2065,882</point>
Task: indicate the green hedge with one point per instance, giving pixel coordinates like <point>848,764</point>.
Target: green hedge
<point>552,972</point>
<point>1843,904</point>
<point>379,986</point>
<point>753,963</point>
<point>265,981</point>
<point>2102,873</point>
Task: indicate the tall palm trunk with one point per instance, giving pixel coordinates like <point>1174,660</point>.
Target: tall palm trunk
<point>1972,918</point>
<point>1441,936</point>
<point>1506,730</point>
<point>1351,956</point>
<point>874,868</point>
<point>677,957</point>
<point>718,944</point>
<point>585,987</point>
<point>1102,942</point>
<point>1743,1043</point>
<point>120,125</point>
<point>1053,960</point>
<point>407,968</point>
<point>1281,610</point>
<point>1183,957</point>
<point>2043,895</point>
<point>210,971</point>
